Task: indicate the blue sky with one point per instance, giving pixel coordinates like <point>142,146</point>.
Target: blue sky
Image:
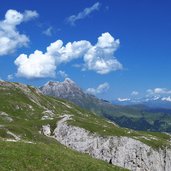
<point>140,60</point>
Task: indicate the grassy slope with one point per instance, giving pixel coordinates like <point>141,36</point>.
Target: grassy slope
<point>52,156</point>
<point>25,107</point>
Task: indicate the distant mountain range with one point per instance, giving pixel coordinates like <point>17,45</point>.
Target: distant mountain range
<point>138,116</point>
<point>151,101</point>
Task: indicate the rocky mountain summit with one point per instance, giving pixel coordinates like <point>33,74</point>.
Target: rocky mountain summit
<point>69,90</point>
<point>66,90</point>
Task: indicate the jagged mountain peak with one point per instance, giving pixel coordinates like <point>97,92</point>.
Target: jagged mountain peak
<point>67,89</point>
<point>67,81</point>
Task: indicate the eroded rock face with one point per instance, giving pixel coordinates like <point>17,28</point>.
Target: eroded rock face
<point>122,151</point>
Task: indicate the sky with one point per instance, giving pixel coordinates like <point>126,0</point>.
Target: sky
<point>110,48</point>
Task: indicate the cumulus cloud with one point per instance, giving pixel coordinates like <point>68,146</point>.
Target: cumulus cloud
<point>100,89</point>
<point>40,65</point>
<point>135,93</point>
<point>83,14</point>
<point>36,65</point>
<point>159,91</point>
<point>99,58</point>
<point>10,38</point>
<point>70,51</point>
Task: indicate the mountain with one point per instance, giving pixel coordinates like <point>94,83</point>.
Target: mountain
<point>138,117</point>
<point>151,101</point>
<point>38,132</point>
<point>68,90</point>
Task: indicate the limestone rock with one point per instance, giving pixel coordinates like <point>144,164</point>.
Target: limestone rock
<point>121,151</point>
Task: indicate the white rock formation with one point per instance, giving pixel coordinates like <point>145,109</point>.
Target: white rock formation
<point>16,137</point>
<point>5,117</point>
<point>121,151</point>
<point>46,130</point>
<point>47,115</point>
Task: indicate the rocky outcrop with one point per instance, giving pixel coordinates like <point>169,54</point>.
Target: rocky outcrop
<point>122,151</point>
<point>47,115</point>
<point>4,116</point>
<point>46,130</point>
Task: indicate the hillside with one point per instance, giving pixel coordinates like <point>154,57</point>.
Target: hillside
<point>138,117</point>
<point>32,125</point>
<point>23,111</point>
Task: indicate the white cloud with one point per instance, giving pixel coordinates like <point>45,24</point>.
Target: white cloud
<point>29,15</point>
<point>10,77</point>
<point>100,89</point>
<point>123,99</point>
<point>159,91</point>
<point>70,51</point>
<point>40,65</point>
<point>135,93</point>
<point>83,14</point>
<point>99,58</point>
<point>10,38</point>
<point>62,74</point>
<point>48,31</point>
<point>36,65</point>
